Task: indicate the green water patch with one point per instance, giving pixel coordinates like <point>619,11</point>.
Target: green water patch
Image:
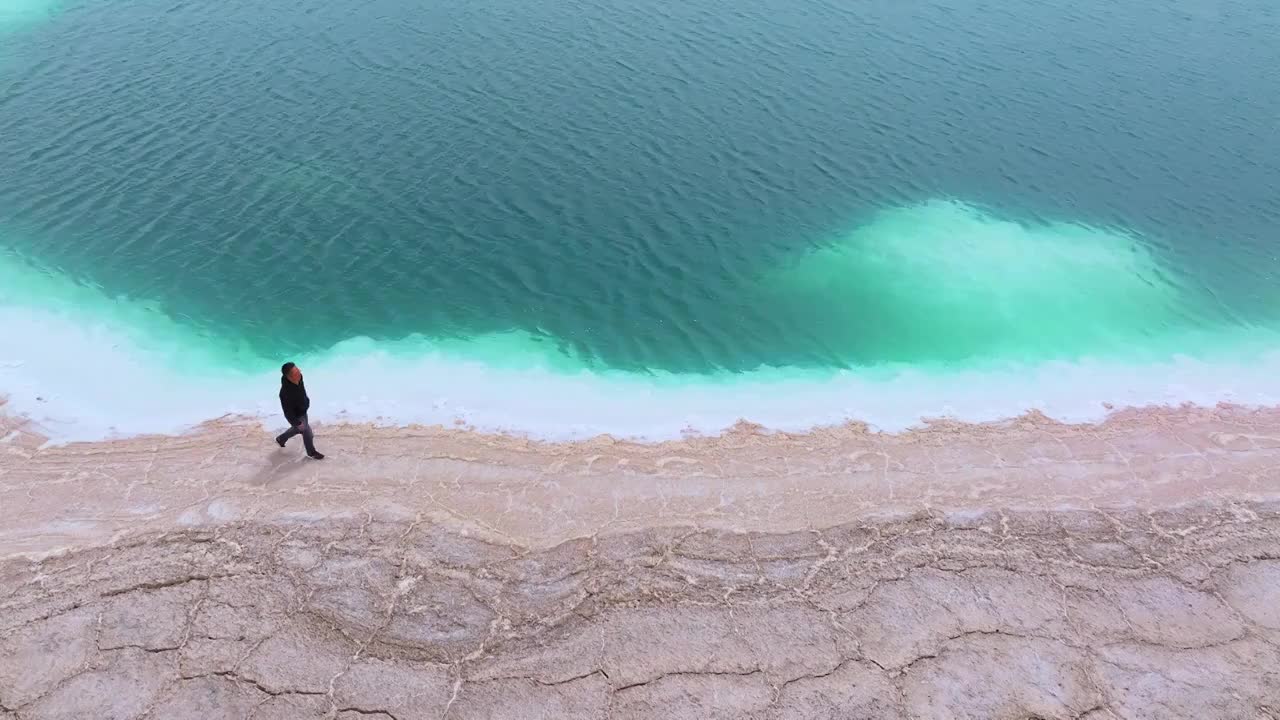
<point>514,350</point>
<point>308,177</point>
<point>946,283</point>
<point>938,286</point>
<point>19,14</point>
<point>175,343</point>
<point>170,342</point>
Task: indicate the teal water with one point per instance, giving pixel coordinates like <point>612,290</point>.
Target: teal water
<point>747,199</point>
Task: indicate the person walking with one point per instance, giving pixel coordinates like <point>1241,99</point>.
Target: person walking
<point>295,404</point>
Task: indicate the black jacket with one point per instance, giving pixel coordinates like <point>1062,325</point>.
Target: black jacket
<point>293,400</point>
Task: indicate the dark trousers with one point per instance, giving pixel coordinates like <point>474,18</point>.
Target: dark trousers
<point>303,429</point>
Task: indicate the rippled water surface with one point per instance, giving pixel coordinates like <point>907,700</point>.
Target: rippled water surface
<point>702,187</point>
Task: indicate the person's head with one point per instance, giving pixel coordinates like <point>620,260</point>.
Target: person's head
<point>291,372</point>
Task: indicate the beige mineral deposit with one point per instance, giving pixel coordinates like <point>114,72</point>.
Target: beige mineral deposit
<point>1011,571</point>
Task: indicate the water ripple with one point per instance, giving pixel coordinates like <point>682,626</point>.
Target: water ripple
<point>626,176</point>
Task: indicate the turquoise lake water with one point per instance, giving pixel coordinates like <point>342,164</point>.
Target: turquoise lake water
<point>556,216</point>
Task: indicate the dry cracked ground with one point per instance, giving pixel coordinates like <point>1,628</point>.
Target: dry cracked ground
<point>1049,615</point>
<point>400,612</point>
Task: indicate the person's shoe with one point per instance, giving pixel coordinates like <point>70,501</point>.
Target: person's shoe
<point>281,441</point>
<point>316,456</point>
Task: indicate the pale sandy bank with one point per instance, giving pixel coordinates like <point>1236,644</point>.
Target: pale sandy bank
<point>1026,569</point>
